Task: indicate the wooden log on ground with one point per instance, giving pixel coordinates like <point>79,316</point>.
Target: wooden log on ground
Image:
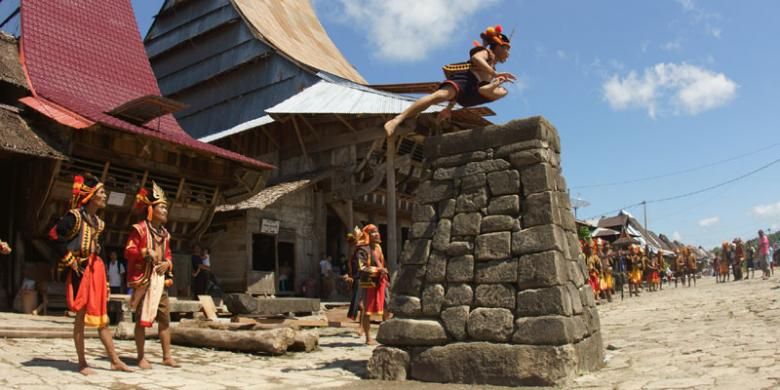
<point>274,341</point>
<point>305,341</point>
<point>44,333</point>
<point>126,331</point>
<point>217,325</point>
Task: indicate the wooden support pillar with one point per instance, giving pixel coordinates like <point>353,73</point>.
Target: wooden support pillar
<point>350,215</point>
<point>392,244</point>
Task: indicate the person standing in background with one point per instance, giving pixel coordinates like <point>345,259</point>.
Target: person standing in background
<point>116,274</point>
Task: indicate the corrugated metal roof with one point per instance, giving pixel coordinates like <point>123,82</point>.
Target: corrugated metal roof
<point>334,95</point>
<point>272,193</point>
<point>293,28</point>
<point>248,125</point>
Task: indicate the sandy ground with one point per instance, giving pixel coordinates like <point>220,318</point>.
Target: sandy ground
<point>710,336</point>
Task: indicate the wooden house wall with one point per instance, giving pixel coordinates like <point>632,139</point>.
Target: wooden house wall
<point>204,55</point>
<point>231,250</point>
<point>300,222</point>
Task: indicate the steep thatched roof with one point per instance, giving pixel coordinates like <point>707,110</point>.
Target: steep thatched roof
<point>11,74</point>
<point>17,137</point>
<point>293,28</point>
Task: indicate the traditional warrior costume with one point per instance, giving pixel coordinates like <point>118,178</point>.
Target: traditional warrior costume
<point>594,265</point>
<point>635,277</point>
<point>607,280</point>
<point>461,76</point>
<point>691,266</point>
<point>724,260</point>
<point>679,264</point>
<point>369,259</point>
<point>353,271</point>
<point>654,276</point>
<point>146,248</point>
<point>77,237</point>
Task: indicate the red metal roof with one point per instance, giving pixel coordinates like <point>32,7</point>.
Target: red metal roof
<point>87,56</point>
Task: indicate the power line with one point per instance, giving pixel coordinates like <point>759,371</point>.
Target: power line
<point>675,173</point>
<point>696,192</point>
<point>712,187</point>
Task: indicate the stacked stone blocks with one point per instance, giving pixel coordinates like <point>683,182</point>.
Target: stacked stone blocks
<point>492,266</point>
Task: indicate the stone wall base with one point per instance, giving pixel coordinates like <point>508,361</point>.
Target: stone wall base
<point>489,363</point>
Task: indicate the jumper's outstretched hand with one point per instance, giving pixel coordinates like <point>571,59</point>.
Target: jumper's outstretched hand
<point>506,76</point>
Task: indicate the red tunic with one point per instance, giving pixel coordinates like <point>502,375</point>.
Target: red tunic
<point>374,297</point>
<point>138,270</point>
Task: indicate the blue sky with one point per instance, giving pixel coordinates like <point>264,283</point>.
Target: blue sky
<point>636,90</point>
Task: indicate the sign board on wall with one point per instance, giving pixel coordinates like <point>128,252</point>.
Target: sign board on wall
<point>269,226</point>
<point>116,198</point>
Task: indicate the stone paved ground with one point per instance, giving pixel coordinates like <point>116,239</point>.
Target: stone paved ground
<point>711,336</point>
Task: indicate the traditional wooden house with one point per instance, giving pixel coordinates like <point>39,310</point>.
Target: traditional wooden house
<point>93,92</point>
<point>626,223</point>
<point>267,73</point>
<point>25,153</point>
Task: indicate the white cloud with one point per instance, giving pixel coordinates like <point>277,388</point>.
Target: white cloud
<point>679,87</point>
<point>687,4</point>
<point>708,19</point>
<point>561,54</point>
<point>644,45</point>
<point>714,31</point>
<point>672,45</point>
<point>407,30</point>
<point>771,210</point>
<point>706,222</point>
<point>676,236</point>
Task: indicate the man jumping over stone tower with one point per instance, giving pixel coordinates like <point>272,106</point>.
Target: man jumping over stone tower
<point>469,83</point>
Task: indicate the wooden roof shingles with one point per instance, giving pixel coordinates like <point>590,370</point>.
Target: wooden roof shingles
<point>101,70</point>
<point>11,73</point>
<point>17,137</point>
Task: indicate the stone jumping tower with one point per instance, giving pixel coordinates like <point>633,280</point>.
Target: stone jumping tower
<point>491,288</point>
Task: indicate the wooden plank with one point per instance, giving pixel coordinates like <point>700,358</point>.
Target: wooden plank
<point>347,124</point>
<point>311,129</point>
<point>208,307</point>
<point>368,135</point>
<point>270,137</point>
<point>104,175</point>
<point>300,140</point>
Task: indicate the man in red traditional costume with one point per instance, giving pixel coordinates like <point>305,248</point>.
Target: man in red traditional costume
<point>590,249</point>
<point>77,237</point>
<point>150,272</point>
<point>469,83</point>
<point>373,277</point>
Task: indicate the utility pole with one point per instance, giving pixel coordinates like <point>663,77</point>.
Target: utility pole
<point>647,239</point>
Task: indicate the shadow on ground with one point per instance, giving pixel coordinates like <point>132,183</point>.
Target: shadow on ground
<point>62,365</point>
<point>357,367</point>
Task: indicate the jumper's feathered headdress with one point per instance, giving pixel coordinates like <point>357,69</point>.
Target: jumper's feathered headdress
<point>493,36</point>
